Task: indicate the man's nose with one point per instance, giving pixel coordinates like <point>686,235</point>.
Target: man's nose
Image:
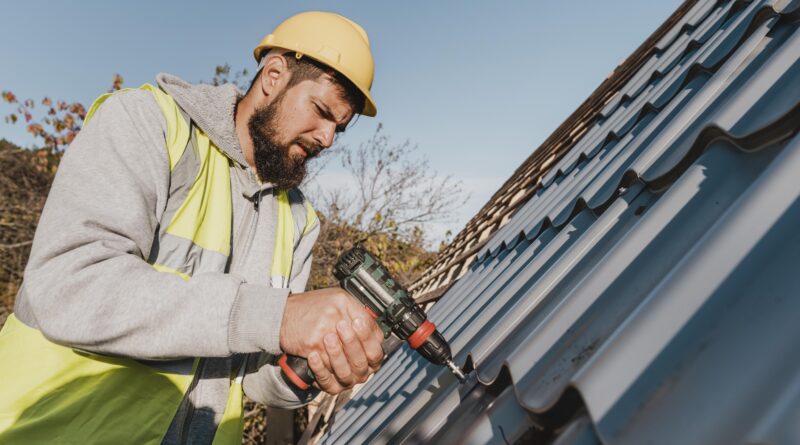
<point>324,134</point>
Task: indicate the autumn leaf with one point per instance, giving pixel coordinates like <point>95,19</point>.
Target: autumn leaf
<point>70,137</point>
<point>117,82</point>
<point>49,140</point>
<point>77,109</point>
<point>9,97</point>
<point>35,129</point>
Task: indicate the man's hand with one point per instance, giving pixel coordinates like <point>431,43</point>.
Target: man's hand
<point>336,334</point>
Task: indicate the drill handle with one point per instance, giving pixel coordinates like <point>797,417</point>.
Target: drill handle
<point>296,372</point>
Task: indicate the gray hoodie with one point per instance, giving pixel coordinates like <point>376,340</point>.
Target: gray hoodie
<point>87,284</point>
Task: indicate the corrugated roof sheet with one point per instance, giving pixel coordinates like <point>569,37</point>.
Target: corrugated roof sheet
<point>455,259</point>
<point>648,291</point>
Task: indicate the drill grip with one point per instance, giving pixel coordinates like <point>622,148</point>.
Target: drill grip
<point>295,371</point>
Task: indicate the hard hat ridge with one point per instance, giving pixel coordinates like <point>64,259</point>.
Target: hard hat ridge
<point>332,40</point>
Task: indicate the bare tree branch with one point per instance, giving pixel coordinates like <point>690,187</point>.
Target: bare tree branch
<point>16,245</point>
<point>395,189</point>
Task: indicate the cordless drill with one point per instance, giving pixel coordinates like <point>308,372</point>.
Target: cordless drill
<point>363,276</point>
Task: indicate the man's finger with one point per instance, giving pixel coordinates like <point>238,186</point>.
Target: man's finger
<point>372,346</point>
<point>341,369</point>
<point>354,351</point>
<point>324,378</point>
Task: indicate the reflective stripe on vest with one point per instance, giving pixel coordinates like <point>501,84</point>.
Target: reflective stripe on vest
<point>56,393</point>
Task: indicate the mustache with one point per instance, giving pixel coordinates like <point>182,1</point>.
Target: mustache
<point>312,149</point>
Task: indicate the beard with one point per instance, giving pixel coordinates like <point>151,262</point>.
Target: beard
<point>273,162</point>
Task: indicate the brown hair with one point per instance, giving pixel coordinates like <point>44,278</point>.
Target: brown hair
<point>306,68</point>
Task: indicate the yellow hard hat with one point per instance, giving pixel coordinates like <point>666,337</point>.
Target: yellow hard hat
<point>331,39</point>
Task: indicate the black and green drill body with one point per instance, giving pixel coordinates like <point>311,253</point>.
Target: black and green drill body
<point>364,277</point>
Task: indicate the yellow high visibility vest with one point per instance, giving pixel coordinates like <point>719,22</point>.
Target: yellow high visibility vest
<point>55,394</point>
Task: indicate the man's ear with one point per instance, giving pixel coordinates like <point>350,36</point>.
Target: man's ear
<point>274,74</point>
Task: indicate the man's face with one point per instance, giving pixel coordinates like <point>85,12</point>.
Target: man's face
<point>295,127</point>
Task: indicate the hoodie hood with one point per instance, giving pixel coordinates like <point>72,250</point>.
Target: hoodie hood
<point>212,109</point>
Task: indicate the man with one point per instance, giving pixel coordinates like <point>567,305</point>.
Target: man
<point>158,286</point>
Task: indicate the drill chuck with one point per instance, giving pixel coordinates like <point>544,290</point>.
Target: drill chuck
<point>434,348</point>
<point>437,351</point>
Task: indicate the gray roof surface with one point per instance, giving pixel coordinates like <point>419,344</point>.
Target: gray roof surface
<point>649,292</point>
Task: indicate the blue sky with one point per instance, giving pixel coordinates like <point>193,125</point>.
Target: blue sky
<point>476,85</point>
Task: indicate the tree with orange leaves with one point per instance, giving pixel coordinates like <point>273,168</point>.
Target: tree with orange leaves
<point>61,121</point>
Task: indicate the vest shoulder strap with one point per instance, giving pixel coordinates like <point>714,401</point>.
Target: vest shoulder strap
<point>178,131</point>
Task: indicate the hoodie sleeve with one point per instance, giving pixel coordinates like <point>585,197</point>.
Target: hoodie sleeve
<point>266,385</point>
<point>87,284</point>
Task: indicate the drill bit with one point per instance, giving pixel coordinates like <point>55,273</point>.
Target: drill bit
<point>456,371</point>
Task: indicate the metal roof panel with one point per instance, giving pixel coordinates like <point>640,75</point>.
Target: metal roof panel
<point>645,293</point>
